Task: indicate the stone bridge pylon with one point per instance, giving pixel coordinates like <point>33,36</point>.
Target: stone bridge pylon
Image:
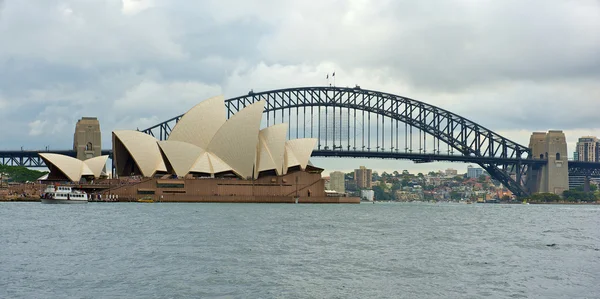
<point>553,176</point>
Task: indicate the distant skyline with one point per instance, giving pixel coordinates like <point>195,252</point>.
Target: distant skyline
<point>460,167</point>
<point>514,67</point>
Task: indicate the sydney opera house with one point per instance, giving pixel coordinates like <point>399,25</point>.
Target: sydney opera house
<point>65,168</point>
<point>207,158</point>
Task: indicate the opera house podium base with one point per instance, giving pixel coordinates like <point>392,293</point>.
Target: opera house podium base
<point>294,187</point>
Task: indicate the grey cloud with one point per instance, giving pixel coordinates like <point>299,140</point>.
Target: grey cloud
<point>507,65</point>
<point>449,46</point>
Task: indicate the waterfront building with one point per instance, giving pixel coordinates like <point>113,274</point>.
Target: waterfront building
<point>451,172</point>
<point>474,172</point>
<point>588,149</point>
<point>337,181</point>
<point>576,181</point>
<point>209,158</point>
<point>367,195</point>
<point>363,177</point>
<point>327,181</point>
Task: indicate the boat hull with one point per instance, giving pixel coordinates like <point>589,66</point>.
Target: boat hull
<point>62,201</point>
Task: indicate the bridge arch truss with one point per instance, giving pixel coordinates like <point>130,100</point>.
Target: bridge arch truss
<point>355,122</point>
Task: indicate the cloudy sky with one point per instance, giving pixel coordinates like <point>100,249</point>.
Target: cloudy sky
<point>513,66</point>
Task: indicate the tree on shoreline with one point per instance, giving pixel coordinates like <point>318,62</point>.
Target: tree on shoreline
<point>20,174</point>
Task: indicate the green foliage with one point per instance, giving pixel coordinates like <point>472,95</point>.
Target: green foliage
<point>428,187</point>
<point>20,174</point>
<point>381,194</point>
<point>505,198</point>
<point>383,185</point>
<point>593,188</point>
<point>543,197</point>
<point>578,195</point>
<point>455,195</point>
<point>396,185</point>
<point>459,178</point>
<point>405,182</point>
<point>375,176</point>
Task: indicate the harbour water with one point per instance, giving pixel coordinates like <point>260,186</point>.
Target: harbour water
<point>416,250</point>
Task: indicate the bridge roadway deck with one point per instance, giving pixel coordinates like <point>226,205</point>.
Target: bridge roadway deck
<point>25,156</point>
<point>420,157</point>
<point>32,158</point>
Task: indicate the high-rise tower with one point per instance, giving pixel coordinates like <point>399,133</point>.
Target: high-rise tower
<point>362,177</point>
<point>587,149</point>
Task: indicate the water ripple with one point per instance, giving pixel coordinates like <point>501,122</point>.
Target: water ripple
<point>298,251</point>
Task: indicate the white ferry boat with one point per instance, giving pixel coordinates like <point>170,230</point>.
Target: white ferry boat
<point>63,194</point>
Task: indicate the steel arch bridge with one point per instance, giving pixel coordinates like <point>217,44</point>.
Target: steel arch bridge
<point>355,122</point>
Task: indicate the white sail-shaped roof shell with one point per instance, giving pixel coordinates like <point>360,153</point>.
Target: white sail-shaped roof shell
<point>236,141</point>
<point>144,149</point>
<point>217,164</point>
<point>200,124</point>
<point>290,159</point>
<point>210,163</point>
<point>202,164</point>
<point>298,151</point>
<point>271,149</point>
<point>97,165</point>
<point>181,155</point>
<point>203,141</point>
<point>73,168</point>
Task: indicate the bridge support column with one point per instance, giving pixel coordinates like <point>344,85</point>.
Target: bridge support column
<point>554,176</point>
<point>87,141</point>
